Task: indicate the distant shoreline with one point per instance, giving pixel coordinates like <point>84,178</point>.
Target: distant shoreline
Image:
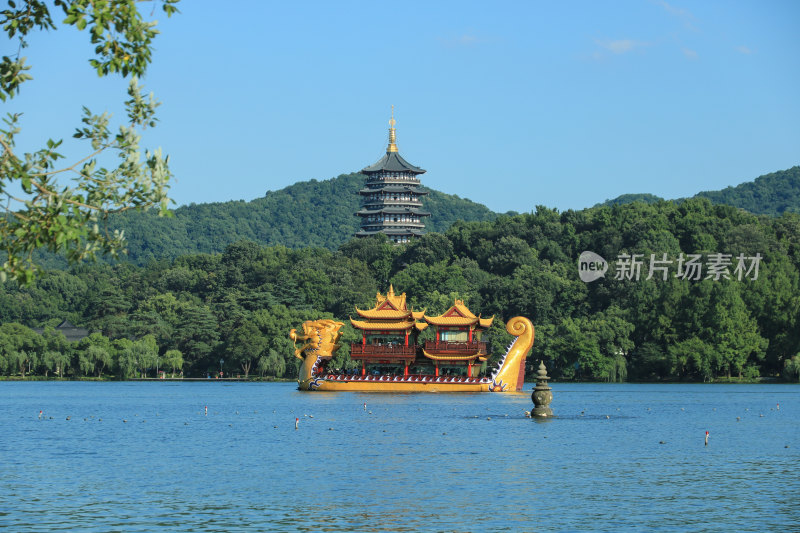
<point>718,381</point>
<point>173,380</point>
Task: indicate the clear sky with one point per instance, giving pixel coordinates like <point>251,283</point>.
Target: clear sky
<point>512,104</point>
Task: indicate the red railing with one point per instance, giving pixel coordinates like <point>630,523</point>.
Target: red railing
<point>455,347</point>
<point>421,378</point>
<point>395,350</point>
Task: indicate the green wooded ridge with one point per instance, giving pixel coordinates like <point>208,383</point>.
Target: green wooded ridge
<point>312,213</point>
<point>189,311</point>
<point>320,214</point>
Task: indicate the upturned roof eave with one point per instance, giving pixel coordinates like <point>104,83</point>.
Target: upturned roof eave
<point>392,162</point>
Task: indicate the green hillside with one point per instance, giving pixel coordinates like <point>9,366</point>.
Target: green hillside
<point>770,194</point>
<point>630,198</point>
<point>306,214</point>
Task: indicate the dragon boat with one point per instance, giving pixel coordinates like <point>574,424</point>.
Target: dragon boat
<point>391,360</point>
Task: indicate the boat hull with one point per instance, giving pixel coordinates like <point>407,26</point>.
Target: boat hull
<point>400,384</point>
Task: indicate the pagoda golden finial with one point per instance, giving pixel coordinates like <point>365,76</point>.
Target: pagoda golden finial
<point>392,135</point>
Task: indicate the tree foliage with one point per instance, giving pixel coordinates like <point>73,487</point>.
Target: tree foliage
<point>61,207</point>
<point>238,305</point>
<point>771,194</point>
<point>306,214</point>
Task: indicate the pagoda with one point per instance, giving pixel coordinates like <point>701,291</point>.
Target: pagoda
<point>458,338</point>
<point>392,196</point>
<point>388,332</point>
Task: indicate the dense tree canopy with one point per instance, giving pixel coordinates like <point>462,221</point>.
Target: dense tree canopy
<point>188,313</point>
<point>770,194</point>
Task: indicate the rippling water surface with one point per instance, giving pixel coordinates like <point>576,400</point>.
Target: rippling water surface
<point>145,457</point>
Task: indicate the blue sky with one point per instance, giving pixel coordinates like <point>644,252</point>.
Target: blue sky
<point>511,104</point>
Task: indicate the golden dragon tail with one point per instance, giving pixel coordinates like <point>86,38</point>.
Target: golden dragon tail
<point>510,371</point>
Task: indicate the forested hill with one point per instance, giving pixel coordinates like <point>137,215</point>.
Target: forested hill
<point>306,214</point>
<point>320,214</point>
<point>630,198</point>
<point>771,194</point>
<point>730,308</point>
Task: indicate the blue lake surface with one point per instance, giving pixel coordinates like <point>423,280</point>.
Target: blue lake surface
<point>145,457</point>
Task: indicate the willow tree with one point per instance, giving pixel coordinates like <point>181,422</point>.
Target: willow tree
<point>63,207</point>
<point>174,360</point>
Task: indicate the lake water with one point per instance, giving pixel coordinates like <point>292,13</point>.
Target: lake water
<point>410,462</point>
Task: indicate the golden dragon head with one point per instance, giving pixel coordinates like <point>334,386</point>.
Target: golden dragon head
<point>320,338</point>
<point>321,341</point>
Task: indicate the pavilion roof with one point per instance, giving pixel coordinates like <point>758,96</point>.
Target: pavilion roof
<point>459,315</point>
<point>390,313</point>
<point>400,325</point>
<point>384,314</point>
<point>71,332</point>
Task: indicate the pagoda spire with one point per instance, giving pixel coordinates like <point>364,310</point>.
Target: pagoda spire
<point>392,135</point>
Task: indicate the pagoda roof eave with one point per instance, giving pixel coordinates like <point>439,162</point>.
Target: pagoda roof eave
<point>393,210</point>
<point>392,162</point>
<point>390,231</point>
<point>395,188</point>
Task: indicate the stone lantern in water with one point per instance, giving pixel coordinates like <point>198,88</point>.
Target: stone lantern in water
<point>542,394</point>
